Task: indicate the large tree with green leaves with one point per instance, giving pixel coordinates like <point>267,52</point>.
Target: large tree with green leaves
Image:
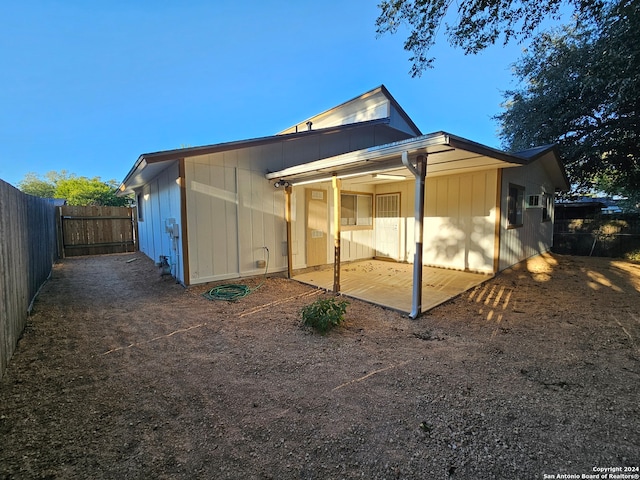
<point>75,190</point>
<point>580,88</point>
<point>476,24</point>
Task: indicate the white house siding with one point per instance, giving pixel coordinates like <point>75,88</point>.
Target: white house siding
<point>212,205</point>
<point>261,223</point>
<point>459,224</point>
<point>406,189</point>
<point>160,200</point>
<point>459,221</point>
<point>233,211</point>
<point>233,214</point>
<point>535,236</point>
<point>373,107</point>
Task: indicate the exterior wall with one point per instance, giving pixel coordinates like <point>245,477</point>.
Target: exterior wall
<point>535,236</point>
<point>159,201</point>
<point>233,212</point>
<point>460,216</point>
<point>459,224</point>
<point>372,107</point>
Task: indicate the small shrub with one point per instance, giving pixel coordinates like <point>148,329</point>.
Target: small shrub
<point>324,314</point>
<point>633,256</point>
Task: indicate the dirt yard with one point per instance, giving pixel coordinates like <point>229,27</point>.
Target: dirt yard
<point>124,374</point>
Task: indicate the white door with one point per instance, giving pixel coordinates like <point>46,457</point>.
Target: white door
<point>387,226</point>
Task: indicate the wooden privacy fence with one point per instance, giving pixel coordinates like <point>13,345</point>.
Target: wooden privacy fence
<point>97,230</point>
<point>28,250</point>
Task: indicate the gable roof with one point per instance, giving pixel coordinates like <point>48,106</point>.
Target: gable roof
<point>549,156</point>
<point>375,104</point>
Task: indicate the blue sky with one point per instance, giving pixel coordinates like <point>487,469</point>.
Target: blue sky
<point>89,86</point>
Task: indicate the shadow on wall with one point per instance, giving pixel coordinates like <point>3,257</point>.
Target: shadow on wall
<point>462,243</point>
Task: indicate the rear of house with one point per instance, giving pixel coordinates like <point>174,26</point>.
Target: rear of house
<point>344,177</point>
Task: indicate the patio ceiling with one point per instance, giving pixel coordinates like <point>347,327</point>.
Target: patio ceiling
<point>446,154</point>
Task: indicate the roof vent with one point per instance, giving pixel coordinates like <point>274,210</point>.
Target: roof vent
<point>309,125</point>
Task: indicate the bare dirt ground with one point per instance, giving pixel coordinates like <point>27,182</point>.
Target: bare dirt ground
<point>124,374</point>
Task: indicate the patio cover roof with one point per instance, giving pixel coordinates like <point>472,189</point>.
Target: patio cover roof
<point>446,154</point>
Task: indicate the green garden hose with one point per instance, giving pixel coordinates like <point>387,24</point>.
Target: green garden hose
<point>231,291</point>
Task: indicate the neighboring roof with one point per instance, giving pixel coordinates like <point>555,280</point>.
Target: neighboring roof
<point>594,204</point>
<point>446,154</point>
<point>149,165</point>
<point>376,103</point>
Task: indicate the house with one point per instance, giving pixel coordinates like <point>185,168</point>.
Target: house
<point>355,182</point>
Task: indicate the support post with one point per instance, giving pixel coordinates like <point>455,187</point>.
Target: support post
<point>287,194</point>
<point>420,173</point>
<point>336,184</point>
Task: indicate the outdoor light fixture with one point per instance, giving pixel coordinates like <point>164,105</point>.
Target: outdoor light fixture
<point>385,176</point>
<point>282,183</point>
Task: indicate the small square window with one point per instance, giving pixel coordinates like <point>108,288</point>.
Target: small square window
<point>534,201</point>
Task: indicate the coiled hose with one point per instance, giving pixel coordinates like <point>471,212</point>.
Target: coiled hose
<point>232,291</point>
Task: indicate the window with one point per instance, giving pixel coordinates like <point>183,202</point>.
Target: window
<point>515,203</point>
<point>547,205</point>
<point>534,201</point>
<point>356,210</point>
<point>139,206</point>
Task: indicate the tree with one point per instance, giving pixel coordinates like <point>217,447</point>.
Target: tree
<point>478,23</point>
<point>34,185</point>
<point>580,88</point>
<point>75,190</point>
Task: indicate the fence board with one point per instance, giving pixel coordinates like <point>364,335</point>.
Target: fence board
<point>97,230</point>
<point>27,253</point>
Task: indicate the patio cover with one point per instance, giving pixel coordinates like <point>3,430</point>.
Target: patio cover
<point>446,155</point>
<point>434,154</point>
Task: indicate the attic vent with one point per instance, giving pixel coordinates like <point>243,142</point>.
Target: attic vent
<point>309,125</point>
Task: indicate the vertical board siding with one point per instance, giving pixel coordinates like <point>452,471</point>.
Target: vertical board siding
<point>460,221</point>
<point>28,250</point>
<point>160,200</point>
<point>233,211</point>
<point>534,236</point>
<point>212,203</point>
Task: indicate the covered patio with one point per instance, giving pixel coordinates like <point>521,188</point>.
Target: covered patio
<point>406,287</point>
<point>389,284</point>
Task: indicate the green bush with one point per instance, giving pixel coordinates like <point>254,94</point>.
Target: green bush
<point>324,314</point>
<point>633,256</point>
